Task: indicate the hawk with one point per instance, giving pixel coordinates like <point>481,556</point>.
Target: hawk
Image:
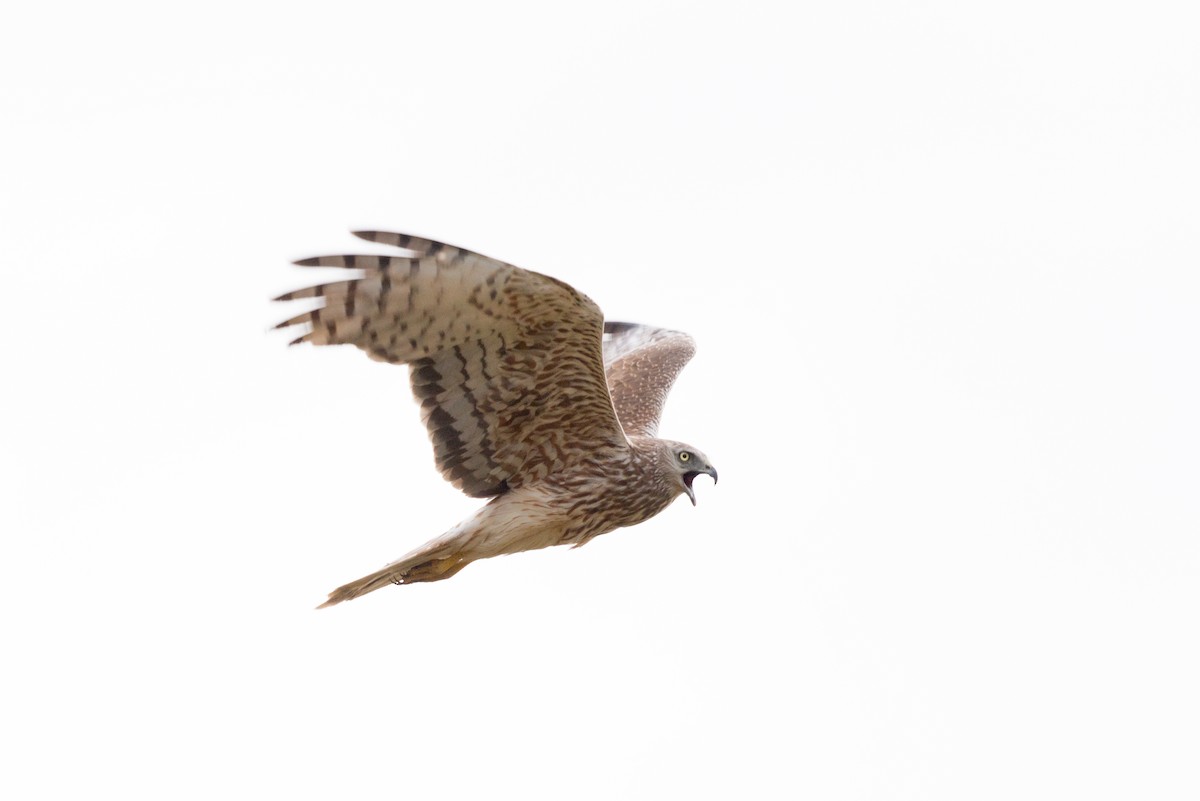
<point>531,399</point>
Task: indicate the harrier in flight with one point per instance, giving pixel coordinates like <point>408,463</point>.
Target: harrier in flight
<point>531,399</point>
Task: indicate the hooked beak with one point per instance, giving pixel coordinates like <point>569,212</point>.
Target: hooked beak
<point>709,470</point>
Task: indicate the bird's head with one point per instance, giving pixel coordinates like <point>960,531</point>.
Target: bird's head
<point>685,463</point>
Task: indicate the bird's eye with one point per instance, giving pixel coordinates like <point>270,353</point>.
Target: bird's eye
<point>684,456</point>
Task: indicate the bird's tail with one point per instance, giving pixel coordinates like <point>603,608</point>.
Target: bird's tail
<point>493,530</point>
<point>425,564</point>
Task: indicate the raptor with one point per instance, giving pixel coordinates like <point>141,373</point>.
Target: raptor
<point>531,399</point>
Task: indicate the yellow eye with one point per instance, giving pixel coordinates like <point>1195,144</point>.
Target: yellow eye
<point>684,456</point>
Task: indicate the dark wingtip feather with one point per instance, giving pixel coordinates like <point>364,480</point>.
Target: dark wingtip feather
<point>299,319</point>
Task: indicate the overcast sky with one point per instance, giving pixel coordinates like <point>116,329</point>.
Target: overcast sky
<point>943,266</point>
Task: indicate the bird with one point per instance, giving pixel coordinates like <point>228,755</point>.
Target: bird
<point>531,399</point>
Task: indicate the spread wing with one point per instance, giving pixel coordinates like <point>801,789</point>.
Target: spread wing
<point>642,362</point>
<point>505,362</point>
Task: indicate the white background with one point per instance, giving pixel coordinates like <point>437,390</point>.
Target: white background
<point>941,260</point>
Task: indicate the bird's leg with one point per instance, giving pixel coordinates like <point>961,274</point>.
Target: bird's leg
<point>397,573</point>
<point>434,570</point>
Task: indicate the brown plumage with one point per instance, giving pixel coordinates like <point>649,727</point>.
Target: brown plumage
<point>529,397</point>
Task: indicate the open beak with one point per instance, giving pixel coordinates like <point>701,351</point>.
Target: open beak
<point>688,477</point>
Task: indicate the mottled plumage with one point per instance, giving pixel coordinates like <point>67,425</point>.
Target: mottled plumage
<point>529,397</point>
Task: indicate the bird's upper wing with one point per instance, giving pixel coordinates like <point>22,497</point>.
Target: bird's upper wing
<point>642,362</point>
<point>505,362</point>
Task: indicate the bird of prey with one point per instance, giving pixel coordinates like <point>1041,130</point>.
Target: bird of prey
<point>530,398</point>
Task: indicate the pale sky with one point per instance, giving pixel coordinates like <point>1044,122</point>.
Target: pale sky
<point>942,263</point>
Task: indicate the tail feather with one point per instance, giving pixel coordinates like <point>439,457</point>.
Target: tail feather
<point>406,571</point>
<point>502,526</point>
<point>362,586</point>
